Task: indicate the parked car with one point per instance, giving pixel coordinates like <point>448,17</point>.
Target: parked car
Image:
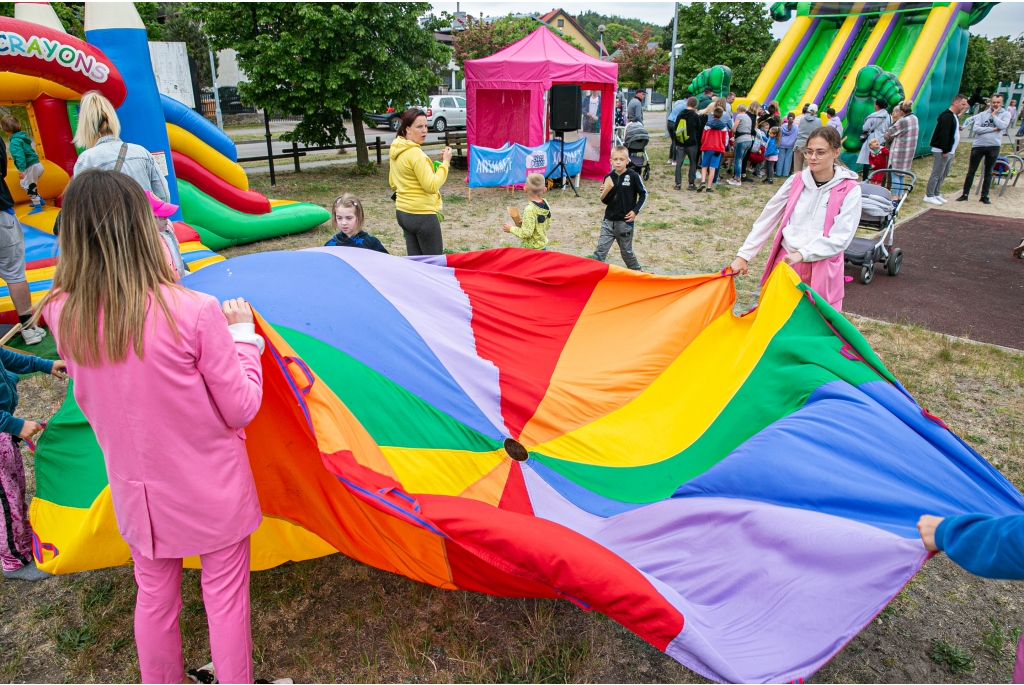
<point>443,112</point>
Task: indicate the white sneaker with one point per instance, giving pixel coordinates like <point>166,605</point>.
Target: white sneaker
<point>33,336</point>
<point>932,200</point>
<point>733,182</point>
<point>941,199</point>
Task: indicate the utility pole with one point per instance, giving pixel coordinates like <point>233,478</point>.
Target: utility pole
<point>672,58</point>
<point>216,93</point>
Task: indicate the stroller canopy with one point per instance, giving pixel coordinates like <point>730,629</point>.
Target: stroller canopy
<point>636,136</point>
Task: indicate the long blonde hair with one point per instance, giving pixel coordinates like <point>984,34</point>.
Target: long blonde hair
<point>96,118</point>
<point>111,265</point>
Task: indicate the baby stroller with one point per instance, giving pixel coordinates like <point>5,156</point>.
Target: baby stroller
<point>635,138</point>
<point>879,212</point>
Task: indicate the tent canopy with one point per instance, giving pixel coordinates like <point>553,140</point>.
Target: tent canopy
<point>506,94</point>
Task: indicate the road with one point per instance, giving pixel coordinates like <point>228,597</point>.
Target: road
<point>258,148</point>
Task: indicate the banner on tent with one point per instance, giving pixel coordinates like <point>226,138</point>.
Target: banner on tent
<point>507,165</point>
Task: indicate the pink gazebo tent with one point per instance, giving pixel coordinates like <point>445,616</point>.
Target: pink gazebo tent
<point>506,94</point>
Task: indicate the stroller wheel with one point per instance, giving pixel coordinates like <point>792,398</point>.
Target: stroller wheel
<point>894,262</point>
<point>867,272</point>
<point>647,173</point>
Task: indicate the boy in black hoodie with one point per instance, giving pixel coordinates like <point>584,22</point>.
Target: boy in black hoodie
<point>624,194</point>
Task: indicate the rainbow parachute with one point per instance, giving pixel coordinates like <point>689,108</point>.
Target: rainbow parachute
<point>741,492</point>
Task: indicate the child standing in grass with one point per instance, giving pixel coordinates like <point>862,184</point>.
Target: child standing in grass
<point>771,152</point>
<point>624,194</point>
<point>532,229</point>
<point>712,147</point>
<point>347,218</point>
<point>23,152</point>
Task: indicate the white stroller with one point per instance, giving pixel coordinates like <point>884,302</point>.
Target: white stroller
<point>879,212</point>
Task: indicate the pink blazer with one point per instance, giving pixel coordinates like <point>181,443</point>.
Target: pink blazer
<point>170,427</point>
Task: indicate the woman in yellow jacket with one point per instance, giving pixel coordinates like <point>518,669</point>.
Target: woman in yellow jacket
<point>417,184</point>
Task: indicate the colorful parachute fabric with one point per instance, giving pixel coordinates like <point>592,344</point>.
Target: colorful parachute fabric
<point>741,492</point>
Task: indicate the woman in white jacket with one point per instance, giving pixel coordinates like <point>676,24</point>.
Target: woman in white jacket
<point>815,216</point>
<point>875,126</point>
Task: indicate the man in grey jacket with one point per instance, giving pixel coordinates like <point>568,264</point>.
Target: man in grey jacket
<point>805,124</point>
<point>988,136</point>
<point>635,109</point>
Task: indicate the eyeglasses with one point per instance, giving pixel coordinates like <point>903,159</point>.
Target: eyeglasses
<point>816,154</point>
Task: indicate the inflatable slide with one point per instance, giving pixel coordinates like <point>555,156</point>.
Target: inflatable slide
<point>921,45</point>
<point>44,70</point>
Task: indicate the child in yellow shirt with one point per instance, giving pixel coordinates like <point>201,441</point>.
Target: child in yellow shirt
<point>532,230</point>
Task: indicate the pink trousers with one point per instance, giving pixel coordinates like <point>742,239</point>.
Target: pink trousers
<point>225,580</point>
<point>834,293</point>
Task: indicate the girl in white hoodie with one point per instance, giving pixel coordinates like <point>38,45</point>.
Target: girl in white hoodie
<point>816,213</point>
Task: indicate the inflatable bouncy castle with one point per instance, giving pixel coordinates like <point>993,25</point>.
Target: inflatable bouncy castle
<point>46,70</point>
<point>844,55</point>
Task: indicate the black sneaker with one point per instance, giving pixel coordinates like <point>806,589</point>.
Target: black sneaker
<point>963,198</point>
<point>985,200</point>
<point>691,187</point>
<point>702,187</point>
<point>1018,251</point>
<point>678,187</point>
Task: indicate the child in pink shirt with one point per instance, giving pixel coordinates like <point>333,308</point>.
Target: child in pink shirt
<point>168,380</point>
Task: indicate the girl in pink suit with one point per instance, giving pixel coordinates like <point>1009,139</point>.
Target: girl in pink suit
<point>168,380</point>
<point>814,215</point>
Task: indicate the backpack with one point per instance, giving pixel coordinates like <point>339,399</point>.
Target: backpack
<point>682,134</point>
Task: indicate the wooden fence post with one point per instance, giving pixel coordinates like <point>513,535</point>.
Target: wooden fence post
<point>295,155</point>
<point>270,147</point>
<point>378,150</point>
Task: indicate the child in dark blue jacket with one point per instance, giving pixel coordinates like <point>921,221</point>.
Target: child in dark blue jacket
<point>987,546</point>
<point>347,218</point>
<point>15,532</point>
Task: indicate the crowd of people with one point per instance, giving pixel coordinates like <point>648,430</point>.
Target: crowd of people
<point>169,378</point>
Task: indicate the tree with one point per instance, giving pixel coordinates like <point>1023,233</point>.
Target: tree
<point>639,64</point>
<point>484,38</point>
<point>1007,58</point>
<point>979,71</point>
<point>590,20</point>
<point>736,34</point>
<point>325,60</point>
<point>615,32</point>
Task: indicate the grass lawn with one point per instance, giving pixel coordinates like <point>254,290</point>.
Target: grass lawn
<point>334,619</point>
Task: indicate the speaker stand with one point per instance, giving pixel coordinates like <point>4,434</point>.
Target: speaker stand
<point>561,163</point>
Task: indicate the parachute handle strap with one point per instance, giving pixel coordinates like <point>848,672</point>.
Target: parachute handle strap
<point>401,495</point>
<point>305,370</point>
<point>32,445</point>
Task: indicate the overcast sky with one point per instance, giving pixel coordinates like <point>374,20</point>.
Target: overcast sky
<point>1006,18</point>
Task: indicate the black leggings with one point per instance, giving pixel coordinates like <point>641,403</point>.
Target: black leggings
<point>422,233</point>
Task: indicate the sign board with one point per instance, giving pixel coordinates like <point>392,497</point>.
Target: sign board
<point>173,77</point>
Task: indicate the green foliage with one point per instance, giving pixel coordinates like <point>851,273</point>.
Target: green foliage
<point>999,639</point>
<point>736,34</point>
<point>1007,58</point>
<point>615,32</point>
<point>590,20</point>
<point>958,660</point>
<point>326,60</point>
<point>979,70</point>
<point>483,39</point>
<point>638,65</point>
